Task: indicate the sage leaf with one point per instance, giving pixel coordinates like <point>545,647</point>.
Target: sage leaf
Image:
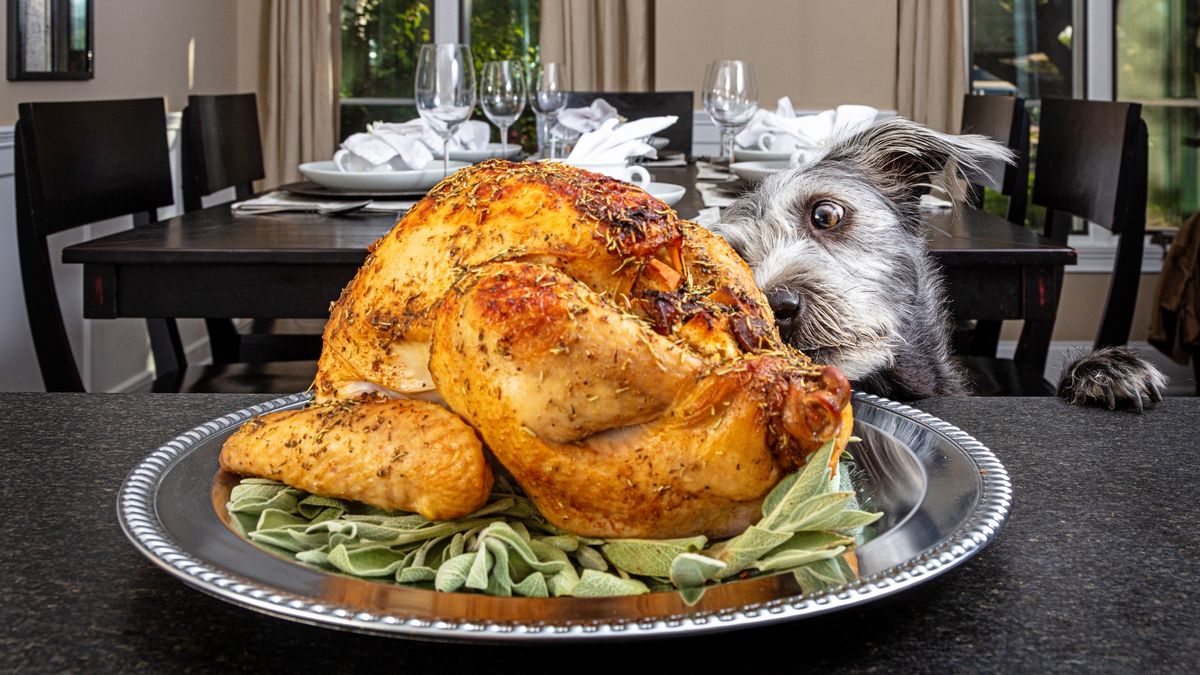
<point>477,577</point>
<point>741,551</point>
<point>415,574</point>
<point>316,556</point>
<point>809,514</point>
<point>849,519</point>
<point>452,574</point>
<point>649,557</point>
<point>594,584</point>
<point>691,570</point>
<point>795,558</point>
<point>374,561</point>
<point>589,558</point>
<point>813,480</point>
<point>312,506</point>
<point>532,586</point>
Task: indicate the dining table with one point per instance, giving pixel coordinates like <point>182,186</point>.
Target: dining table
<point>1096,569</point>
<point>221,264</point>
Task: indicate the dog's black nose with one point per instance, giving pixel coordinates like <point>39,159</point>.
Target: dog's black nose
<point>786,303</point>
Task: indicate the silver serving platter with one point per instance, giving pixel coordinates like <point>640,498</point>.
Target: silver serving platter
<point>943,493</point>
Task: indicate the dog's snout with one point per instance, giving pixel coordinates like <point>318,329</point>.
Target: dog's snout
<point>785,303</point>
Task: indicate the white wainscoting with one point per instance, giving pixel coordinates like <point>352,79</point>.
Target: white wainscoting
<point>113,355</point>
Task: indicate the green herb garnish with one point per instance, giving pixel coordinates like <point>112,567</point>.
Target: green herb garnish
<point>507,548</point>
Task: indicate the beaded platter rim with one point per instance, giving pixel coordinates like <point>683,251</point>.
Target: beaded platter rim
<point>139,520</point>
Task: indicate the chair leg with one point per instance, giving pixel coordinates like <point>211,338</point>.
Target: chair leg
<point>223,340</point>
<point>985,338</point>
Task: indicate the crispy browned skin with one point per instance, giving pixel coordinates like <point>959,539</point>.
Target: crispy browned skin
<point>582,223</point>
<point>406,455</point>
<point>619,362</point>
<point>672,447</point>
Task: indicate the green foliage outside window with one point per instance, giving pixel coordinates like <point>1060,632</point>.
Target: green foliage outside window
<point>382,38</point>
<point>380,43</point>
<point>503,30</point>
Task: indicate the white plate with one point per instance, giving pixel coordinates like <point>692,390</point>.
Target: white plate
<point>492,150</point>
<point>755,172</point>
<point>755,155</point>
<point>667,193</point>
<point>327,174</point>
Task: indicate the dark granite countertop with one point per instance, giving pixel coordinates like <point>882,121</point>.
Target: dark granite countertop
<point>1097,569</point>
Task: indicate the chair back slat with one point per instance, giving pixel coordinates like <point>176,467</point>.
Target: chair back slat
<point>1087,160</point>
<point>94,160</point>
<point>1127,269</point>
<point>1005,120</point>
<point>221,145</point>
<point>637,104</point>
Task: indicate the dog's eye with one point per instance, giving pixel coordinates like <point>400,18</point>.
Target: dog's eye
<point>827,215</point>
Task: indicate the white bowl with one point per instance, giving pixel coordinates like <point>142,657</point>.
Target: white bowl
<point>756,172</point>
<point>667,193</point>
<point>327,174</point>
<point>755,155</point>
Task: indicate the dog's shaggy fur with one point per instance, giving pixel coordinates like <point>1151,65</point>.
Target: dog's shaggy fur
<point>861,293</point>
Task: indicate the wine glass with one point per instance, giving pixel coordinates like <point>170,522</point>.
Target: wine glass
<point>731,98</point>
<point>547,95</point>
<point>445,90</point>
<point>502,96</point>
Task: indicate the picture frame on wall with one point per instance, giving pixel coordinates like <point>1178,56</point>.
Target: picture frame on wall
<point>50,40</point>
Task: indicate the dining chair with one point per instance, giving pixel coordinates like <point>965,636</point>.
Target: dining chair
<point>82,162</point>
<point>221,149</point>
<point>636,104</point>
<point>1005,120</point>
<point>1092,165</point>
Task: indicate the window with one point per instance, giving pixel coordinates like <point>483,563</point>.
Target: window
<point>380,42</point>
<point>1026,48</point>
<point>1158,63</point>
<point>381,39</point>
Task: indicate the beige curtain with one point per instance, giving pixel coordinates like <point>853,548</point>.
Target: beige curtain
<point>605,45</point>
<point>931,76</point>
<point>299,102</point>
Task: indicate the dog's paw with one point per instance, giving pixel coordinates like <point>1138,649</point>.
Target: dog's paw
<point>1111,376</point>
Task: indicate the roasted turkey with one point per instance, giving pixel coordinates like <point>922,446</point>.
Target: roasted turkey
<point>618,362</point>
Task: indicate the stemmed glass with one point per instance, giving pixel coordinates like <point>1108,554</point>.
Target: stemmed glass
<point>731,98</point>
<point>502,95</point>
<point>547,95</point>
<point>445,90</point>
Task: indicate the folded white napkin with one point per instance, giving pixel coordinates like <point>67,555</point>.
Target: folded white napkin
<point>583,120</point>
<point>806,136</point>
<point>279,201</point>
<point>400,146</point>
<point>765,121</point>
<point>615,143</point>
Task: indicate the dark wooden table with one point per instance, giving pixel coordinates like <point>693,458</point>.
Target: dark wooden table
<point>211,263</point>
<point>1096,570</point>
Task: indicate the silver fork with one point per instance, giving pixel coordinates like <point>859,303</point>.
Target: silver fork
<point>340,209</point>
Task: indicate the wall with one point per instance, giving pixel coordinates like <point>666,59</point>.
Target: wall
<point>143,48</point>
<point>818,52</point>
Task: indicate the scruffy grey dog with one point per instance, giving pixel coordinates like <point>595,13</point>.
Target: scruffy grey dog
<point>838,247</point>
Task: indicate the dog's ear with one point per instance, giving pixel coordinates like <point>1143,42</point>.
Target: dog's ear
<point>906,159</point>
